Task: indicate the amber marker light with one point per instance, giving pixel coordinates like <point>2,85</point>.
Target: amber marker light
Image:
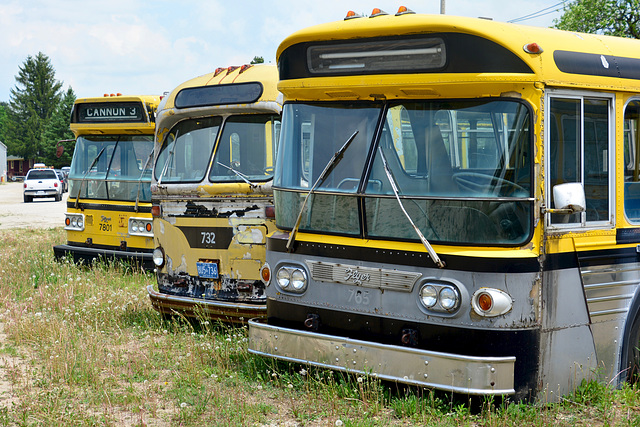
<point>148,227</point>
<point>491,302</point>
<point>533,48</point>
<point>404,10</point>
<point>155,211</point>
<point>377,12</point>
<point>67,221</point>
<point>270,211</point>
<point>485,302</point>
<point>352,15</point>
<point>265,274</point>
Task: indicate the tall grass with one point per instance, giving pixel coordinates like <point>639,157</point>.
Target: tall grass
<point>83,346</point>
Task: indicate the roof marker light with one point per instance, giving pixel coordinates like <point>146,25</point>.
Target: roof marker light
<point>218,71</point>
<point>532,48</point>
<point>404,10</point>
<point>352,15</point>
<point>245,67</point>
<point>232,69</point>
<point>377,12</point>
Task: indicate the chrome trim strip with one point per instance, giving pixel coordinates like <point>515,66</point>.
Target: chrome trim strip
<point>609,298</point>
<point>443,371</point>
<point>605,312</point>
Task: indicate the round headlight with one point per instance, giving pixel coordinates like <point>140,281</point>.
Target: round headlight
<point>283,277</point>
<point>134,226</point>
<point>74,221</point>
<point>158,257</point>
<point>80,222</point>
<point>448,298</point>
<point>298,281</point>
<point>429,296</point>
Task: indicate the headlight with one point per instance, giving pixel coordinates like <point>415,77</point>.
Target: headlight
<point>298,280</point>
<point>429,296</point>
<point>292,279</point>
<point>140,226</point>
<point>283,277</point>
<point>439,296</point>
<point>158,257</point>
<point>74,222</point>
<point>449,298</point>
<point>134,226</point>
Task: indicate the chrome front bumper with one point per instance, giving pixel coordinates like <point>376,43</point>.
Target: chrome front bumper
<point>442,371</point>
<point>197,307</point>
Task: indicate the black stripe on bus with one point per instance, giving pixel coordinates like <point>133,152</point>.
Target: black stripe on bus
<point>550,262</point>
<point>466,53</point>
<point>593,64</point>
<point>108,207</point>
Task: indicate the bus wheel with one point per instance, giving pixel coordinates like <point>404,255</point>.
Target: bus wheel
<point>633,353</point>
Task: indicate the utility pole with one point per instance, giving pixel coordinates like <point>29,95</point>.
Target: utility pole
<point>442,7</point>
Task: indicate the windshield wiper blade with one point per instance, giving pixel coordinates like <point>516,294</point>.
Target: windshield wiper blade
<point>93,163</point>
<point>432,253</point>
<point>140,179</point>
<point>333,162</point>
<point>239,174</point>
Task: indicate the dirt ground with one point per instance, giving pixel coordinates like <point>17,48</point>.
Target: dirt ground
<point>41,213</point>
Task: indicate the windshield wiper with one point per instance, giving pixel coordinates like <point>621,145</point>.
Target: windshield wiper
<point>166,164</point>
<point>434,256</point>
<point>93,163</point>
<point>239,174</point>
<point>337,156</point>
<point>140,179</point>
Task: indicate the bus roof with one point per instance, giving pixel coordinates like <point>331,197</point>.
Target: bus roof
<point>567,58</point>
<point>266,75</point>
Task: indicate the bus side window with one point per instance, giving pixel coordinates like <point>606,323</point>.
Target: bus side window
<point>632,161</point>
<point>579,152</point>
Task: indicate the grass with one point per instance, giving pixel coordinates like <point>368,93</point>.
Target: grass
<point>84,347</point>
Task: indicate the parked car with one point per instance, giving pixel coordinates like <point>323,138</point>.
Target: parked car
<point>63,179</point>
<point>42,183</point>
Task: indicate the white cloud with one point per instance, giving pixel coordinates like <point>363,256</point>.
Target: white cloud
<point>151,46</point>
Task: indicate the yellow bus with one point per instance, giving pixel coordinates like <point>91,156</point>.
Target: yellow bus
<point>212,197</point>
<point>109,204</point>
<point>458,203</point>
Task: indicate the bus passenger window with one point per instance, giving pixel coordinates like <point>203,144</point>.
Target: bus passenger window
<point>632,162</point>
<point>579,152</point>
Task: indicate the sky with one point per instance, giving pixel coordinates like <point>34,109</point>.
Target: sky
<point>148,47</point>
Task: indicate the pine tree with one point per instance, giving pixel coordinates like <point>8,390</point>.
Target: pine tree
<point>33,101</point>
<point>57,129</point>
<point>3,121</point>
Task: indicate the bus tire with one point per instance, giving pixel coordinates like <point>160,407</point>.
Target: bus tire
<point>632,352</point>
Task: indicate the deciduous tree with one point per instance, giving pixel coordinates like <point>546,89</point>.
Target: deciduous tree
<point>610,17</point>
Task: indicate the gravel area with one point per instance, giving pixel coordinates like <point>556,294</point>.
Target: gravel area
<point>41,213</point>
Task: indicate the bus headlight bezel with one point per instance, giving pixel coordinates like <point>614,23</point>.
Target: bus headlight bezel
<point>291,279</point>
<point>491,302</point>
<point>139,226</point>
<point>440,297</point>
<point>76,222</point>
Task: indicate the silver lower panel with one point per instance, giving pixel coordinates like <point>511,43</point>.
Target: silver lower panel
<point>442,371</point>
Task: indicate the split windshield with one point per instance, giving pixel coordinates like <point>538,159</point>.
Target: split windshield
<point>244,150</point>
<point>112,167</point>
<point>462,168</point>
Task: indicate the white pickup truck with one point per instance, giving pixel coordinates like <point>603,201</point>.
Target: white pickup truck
<point>42,183</point>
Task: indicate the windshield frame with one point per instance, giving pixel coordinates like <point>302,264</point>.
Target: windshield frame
<point>363,195</point>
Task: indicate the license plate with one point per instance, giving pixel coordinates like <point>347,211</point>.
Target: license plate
<point>207,270</point>
<point>39,193</point>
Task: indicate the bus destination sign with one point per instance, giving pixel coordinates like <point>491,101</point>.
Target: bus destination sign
<point>106,112</point>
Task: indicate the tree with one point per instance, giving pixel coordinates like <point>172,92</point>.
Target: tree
<point>57,129</point>
<point>257,60</point>
<point>33,101</point>
<point>611,17</point>
<point>3,120</point>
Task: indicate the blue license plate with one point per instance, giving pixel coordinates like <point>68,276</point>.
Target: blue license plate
<point>207,270</point>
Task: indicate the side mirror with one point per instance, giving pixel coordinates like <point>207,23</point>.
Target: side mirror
<point>568,198</point>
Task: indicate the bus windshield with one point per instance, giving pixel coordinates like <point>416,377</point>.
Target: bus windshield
<point>245,149</point>
<point>118,171</point>
<point>185,152</point>
<point>462,169</point>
